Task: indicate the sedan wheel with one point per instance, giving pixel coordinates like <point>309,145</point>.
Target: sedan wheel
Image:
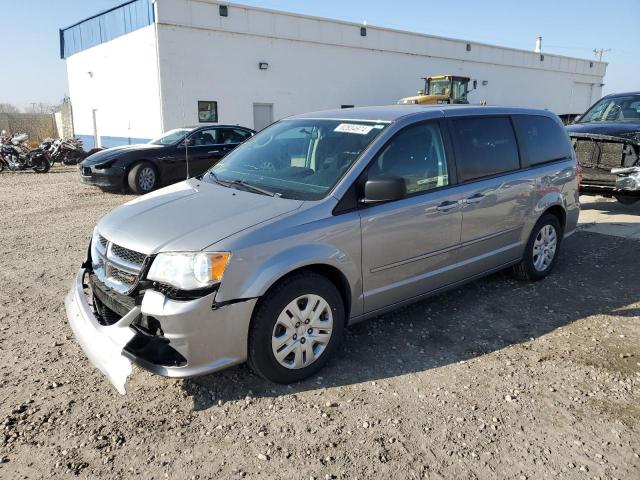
<point>143,178</point>
<point>147,179</point>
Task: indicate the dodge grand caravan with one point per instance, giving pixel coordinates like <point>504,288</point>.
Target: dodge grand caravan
<point>317,222</point>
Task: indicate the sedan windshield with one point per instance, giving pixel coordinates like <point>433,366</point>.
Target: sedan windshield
<point>300,159</point>
<point>615,109</point>
<point>171,137</point>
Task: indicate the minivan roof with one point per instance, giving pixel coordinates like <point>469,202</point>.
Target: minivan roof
<point>391,113</point>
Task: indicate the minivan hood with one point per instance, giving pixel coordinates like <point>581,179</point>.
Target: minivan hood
<point>116,152</point>
<point>188,217</point>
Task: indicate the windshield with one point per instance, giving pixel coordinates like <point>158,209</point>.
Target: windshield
<point>171,137</point>
<point>616,109</point>
<point>439,87</point>
<point>300,159</point>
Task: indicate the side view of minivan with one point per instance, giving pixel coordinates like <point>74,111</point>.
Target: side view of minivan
<point>315,223</point>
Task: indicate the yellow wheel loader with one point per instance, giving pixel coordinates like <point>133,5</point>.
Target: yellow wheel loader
<point>441,89</point>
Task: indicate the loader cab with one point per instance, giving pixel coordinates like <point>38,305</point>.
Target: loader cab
<point>441,89</point>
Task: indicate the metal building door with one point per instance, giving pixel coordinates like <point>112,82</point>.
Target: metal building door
<point>262,115</point>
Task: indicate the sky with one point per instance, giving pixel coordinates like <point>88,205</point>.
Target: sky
<point>33,71</point>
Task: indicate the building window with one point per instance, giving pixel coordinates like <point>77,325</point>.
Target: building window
<point>468,47</point>
<point>224,11</point>
<point>542,58</point>
<point>363,31</point>
<point>207,111</point>
<point>346,106</point>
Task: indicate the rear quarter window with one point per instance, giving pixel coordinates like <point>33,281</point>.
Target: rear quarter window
<point>541,139</point>
<point>485,147</point>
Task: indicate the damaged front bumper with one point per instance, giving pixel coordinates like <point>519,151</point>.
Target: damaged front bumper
<point>610,164</point>
<point>193,337</point>
<point>627,179</point>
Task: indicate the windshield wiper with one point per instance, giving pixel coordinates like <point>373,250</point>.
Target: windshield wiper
<point>254,188</point>
<point>218,181</point>
<point>245,185</point>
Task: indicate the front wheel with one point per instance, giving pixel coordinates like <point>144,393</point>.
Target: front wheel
<point>541,252</point>
<point>296,328</point>
<point>143,178</point>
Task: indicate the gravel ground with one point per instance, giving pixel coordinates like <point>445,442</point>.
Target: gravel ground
<point>498,379</point>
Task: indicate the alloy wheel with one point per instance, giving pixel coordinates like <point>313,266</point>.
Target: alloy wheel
<point>147,179</point>
<point>544,248</point>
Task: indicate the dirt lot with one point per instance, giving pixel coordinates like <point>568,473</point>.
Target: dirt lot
<point>498,379</point>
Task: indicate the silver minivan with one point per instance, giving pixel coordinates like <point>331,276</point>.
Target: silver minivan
<point>320,221</point>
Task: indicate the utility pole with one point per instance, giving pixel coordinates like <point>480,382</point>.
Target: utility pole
<point>599,51</point>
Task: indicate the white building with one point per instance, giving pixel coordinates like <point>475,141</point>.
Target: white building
<point>151,65</point>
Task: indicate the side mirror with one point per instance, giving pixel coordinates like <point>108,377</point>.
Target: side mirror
<point>577,119</point>
<point>475,84</point>
<point>384,189</point>
<point>420,92</point>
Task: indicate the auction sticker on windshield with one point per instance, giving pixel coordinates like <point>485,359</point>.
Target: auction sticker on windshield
<point>354,128</point>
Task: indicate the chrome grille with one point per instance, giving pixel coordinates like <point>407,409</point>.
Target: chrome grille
<point>116,266</point>
<point>122,276</point>
<point>128,255</point>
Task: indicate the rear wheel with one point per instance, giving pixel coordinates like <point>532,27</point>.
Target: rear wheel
<point>41,165</point>
<point>541,251</point>
<point>143,178</point>
<point>296,328</point>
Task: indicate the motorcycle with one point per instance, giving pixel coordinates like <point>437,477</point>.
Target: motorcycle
<point>15,155</point>
<point>69,151</point>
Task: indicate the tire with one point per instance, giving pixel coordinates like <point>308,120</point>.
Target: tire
<point>545,236</point>
<point>627,199</point>
<point>42,165</point>
<point>143,178</point>
<point>275,328</point>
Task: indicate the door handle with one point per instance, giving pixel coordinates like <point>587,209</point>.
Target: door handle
<point>214,151</point>
<point>447,205</point>
<point>477,198</point>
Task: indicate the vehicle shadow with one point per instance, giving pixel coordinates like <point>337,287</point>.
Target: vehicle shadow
<point>593,276</point>
<point>609,206</point>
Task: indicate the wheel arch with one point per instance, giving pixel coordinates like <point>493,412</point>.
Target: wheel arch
<point>331,273</point>
<point>559,212</point>
<point>553,203</point>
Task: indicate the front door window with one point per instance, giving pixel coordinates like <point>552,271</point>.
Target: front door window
<point>202,138</point>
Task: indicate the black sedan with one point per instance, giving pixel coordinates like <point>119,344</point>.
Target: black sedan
<point>175,156</point>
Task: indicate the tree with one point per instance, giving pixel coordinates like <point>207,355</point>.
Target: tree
<point>8,108</point>
<point>41,107</point>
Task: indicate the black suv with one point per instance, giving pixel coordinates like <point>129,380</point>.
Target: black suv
<point>607,143</point>
<point>176,155</point>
